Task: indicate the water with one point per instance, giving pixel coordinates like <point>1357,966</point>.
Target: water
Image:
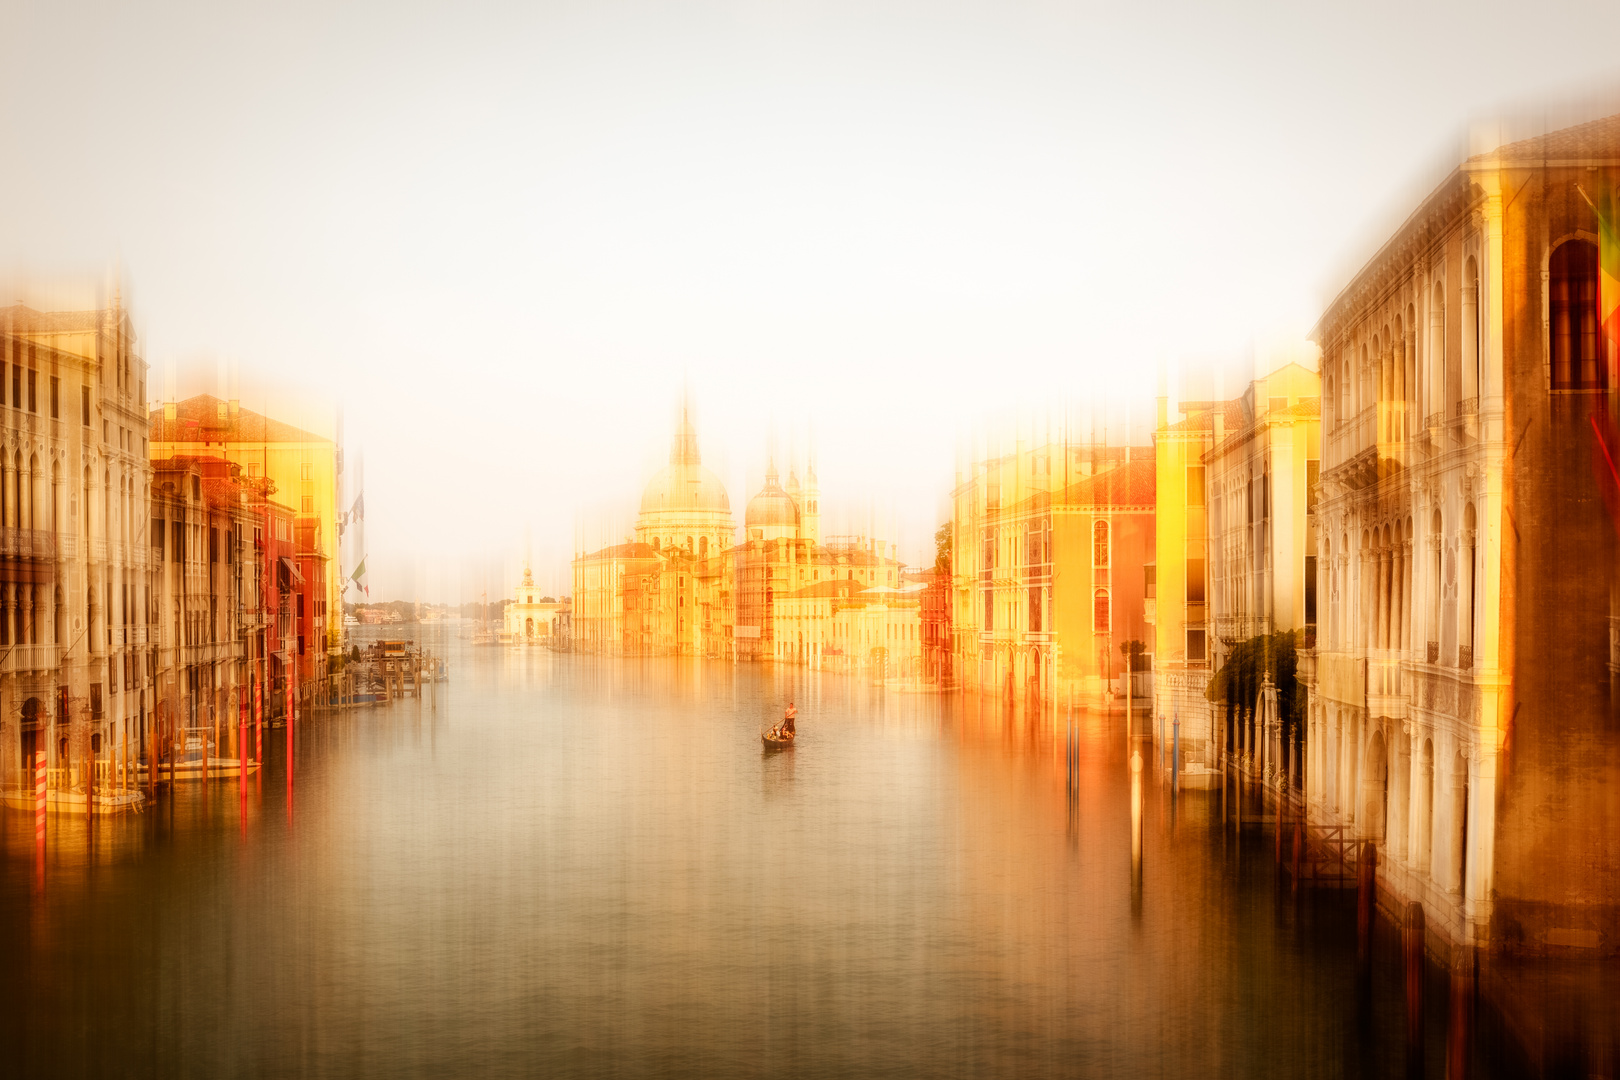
<point>578,867</point>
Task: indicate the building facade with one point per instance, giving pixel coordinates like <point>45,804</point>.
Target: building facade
<point>1049,552</point>
<point>302,465</point>
<point>1463,696</point>
<point>1260,479</point>
<point>76,677</point>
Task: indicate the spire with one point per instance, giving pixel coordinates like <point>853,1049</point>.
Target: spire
<point>683,449</point>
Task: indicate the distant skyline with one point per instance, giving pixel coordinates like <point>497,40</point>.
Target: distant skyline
<point>506,236</point>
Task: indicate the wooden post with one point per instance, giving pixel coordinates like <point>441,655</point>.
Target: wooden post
<point>1460,1031</point>
<point>1282,808</point>
<point>1412,934</point>
<point>1299,843</point>
<point>1366,897</point>
<point>90,786</point>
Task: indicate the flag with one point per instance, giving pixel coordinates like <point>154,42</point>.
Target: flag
<point>359,572</point>
<point>359,511</point>
<point>1609,272</point>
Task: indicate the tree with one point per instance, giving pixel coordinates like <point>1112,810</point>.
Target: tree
<point>942,550</point>
<point>1238,681</point>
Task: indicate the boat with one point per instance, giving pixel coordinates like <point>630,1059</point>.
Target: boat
<point>777,742</point>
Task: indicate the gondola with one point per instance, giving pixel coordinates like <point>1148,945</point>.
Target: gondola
<point>777,742</point>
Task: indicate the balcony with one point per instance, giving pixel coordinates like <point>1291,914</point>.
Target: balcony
<point>1235,628</point>
<point>19,658</point>
<point>26,543</point>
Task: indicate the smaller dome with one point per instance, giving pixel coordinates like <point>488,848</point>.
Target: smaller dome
<point>772,506</point>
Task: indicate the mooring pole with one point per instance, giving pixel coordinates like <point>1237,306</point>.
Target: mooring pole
<point>1412,934</point>
<point>1366,898</point>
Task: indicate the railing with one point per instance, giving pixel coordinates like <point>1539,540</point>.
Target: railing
<point>1435,420</point>
<point>1466,407</point>
<point>98,550</point>
<point>26,543</point>
<point>67,547</point>
<point>30,658</point>
<point>1241,627</point>
<point>1432,654</point>
<point>1465,657</point>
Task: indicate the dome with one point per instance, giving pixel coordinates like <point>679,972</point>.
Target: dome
<point>681,486</point>
<point>772,506</point>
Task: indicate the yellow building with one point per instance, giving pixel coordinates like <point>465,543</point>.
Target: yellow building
<point>683,587</point>
<point>1260,476</point>
<point>1048,551</point>
<point>301,464</point>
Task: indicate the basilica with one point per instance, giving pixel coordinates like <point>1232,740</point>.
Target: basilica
<point>685,585</point>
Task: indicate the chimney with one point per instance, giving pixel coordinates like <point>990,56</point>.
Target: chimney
<point>1218,422</point>
<point>1164,413</point>
<point>235,407</point>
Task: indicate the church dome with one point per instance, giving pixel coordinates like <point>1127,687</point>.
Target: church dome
<point>772,506</point>
<point>685,486</point>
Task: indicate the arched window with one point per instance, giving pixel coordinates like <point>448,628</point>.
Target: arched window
<point>1577,359</point>
<point>1099,544</point>
<point>1100,613</point>
<point>703,547</point>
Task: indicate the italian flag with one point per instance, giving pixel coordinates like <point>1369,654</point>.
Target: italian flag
<point>1609,271</point>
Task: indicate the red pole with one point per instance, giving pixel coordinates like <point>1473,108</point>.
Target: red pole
<point>258,724</point>
<point>39,799</point>
<point>39,820</point>
<point>289,747</point>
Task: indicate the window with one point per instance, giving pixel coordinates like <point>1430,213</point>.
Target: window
<point>306,471</point>
<point>1276,404</point>
<point>308,504</point>
<point>1099,544</point>
<point>196,489</point>
<point>179,544</point>
<point>157,537</point>
<point>213,544</point>
<point>300,605</point>
<point>1313,475</point>
<point>1035,610</point>
<point>989,561</point>
<point>1577,359</point>
<point>989,610</point>
<point>95,701</point>
<point>1195,646</point>
<point>1195,485</point>
<point>33,391</point>
<point>1100,612</point>
<point>1195,581</point>
<point>16,387</point>
<point>1150,581</point>
<point>56,398</point>
<point>253,470</point>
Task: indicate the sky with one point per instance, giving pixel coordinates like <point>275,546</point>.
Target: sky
<point>506,238</point>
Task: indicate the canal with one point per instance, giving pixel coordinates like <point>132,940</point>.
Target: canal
<point>567,866</point>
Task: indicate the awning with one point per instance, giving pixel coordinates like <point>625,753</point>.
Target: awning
<point>293,570</point>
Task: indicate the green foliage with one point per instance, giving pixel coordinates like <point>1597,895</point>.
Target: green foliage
<point>942,550</point>
<point>1134,650</point>
<point>1239,680</point>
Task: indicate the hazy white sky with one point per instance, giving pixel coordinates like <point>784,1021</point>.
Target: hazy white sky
<point>505,235</point>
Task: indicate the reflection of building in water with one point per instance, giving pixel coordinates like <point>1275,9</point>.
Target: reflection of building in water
<point>683,586</point>
<point>532,617</point>
<point>1049,549</point>
<point>1463,704</point>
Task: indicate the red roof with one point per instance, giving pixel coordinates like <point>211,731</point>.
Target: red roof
<point>197,419</point>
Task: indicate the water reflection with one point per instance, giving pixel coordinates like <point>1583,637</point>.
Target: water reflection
<point>567,866</point>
